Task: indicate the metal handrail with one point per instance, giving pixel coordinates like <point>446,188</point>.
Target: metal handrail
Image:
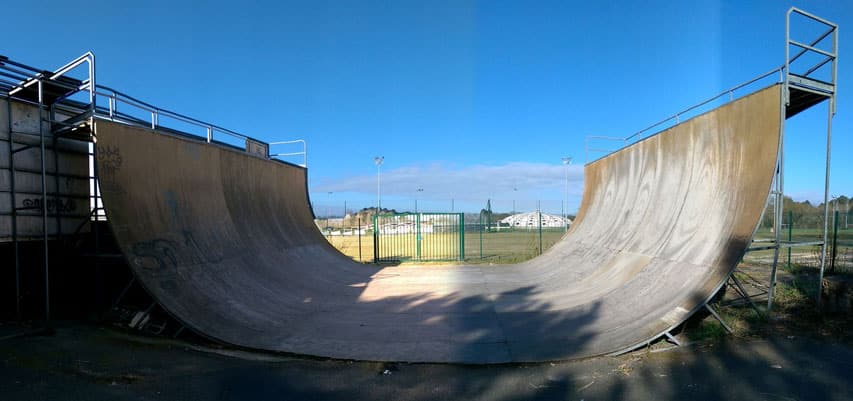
<point>304,151</point>
<point>117,96</point>
<point>729,92</point>
<point>829,57</point>
<point>677,116</point>
<point>783,71</point>
<point>22,73</point>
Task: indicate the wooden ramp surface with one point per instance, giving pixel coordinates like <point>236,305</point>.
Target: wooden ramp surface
<point>225,241</point>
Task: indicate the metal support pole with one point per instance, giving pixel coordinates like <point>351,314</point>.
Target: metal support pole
<point>376,238</point>
<point>825,200</point>
<point>44,204</point>
<point>834,242</point>
<point>93,99</point>
<point>672,339</point>
<point>56,208</point>
<point>123,292</point>
<point>378,160</point>
<point>744,294</point>
<point>14,215</point>
<point>99,284</point>
<point>178,333</point>
<point>790,234</point>
<point>719,319</point>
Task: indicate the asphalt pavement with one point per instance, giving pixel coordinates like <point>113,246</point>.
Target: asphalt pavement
<point>79,361</point>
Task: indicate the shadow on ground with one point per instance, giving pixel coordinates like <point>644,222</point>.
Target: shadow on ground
<point>83,362</point>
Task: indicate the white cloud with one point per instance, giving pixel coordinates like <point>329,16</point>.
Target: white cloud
<point>438,181</point>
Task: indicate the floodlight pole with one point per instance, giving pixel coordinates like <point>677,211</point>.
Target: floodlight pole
<point>566,162</point>
<point>514,190</point>
<point>378,160</point>
<point>328,208</point>
<point>416,199</point>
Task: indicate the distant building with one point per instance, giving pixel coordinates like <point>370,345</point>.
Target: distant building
<point>529,220</point>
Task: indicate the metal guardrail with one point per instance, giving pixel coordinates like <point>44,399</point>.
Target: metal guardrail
<point>304,151</point>
<point>784,71</point>
<point>23,76</point>
<point>115,98</point>
<point>638,135</point>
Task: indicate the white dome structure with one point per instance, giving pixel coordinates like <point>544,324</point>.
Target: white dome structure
<point>530,220</point>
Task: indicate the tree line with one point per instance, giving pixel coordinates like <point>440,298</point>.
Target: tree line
<point>805,215</point>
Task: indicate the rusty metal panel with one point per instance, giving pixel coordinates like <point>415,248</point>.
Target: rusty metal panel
<point>226,242</point>
<point>257,148</point>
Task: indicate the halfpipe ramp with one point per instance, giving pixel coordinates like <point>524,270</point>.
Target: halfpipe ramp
<point>225,241</point>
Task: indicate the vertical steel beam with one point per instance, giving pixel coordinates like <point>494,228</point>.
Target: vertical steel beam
<point>829,113</point>
<point>55,146</point>
<point>12,189</point>
<point>93,99</point>
<point>834,241</point>
<point>44,203</point>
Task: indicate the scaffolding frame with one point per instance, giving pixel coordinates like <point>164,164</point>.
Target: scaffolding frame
<point>53,93</point>
<point>41,89</point>
<point>801,90</point>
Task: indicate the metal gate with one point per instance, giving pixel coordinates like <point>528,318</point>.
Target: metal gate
<point>419,236</point>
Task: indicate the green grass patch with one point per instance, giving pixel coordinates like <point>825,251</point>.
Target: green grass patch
<point>795,295</point>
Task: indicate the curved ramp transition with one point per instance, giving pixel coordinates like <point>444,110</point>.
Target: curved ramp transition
<point>226,243</point>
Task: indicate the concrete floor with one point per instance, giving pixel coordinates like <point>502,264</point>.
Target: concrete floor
<point>87,362</point>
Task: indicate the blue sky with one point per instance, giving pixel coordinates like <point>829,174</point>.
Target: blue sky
<point>466,100</point>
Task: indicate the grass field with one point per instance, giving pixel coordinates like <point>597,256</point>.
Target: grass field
<point>497,247</point>
<point>518,246</point>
